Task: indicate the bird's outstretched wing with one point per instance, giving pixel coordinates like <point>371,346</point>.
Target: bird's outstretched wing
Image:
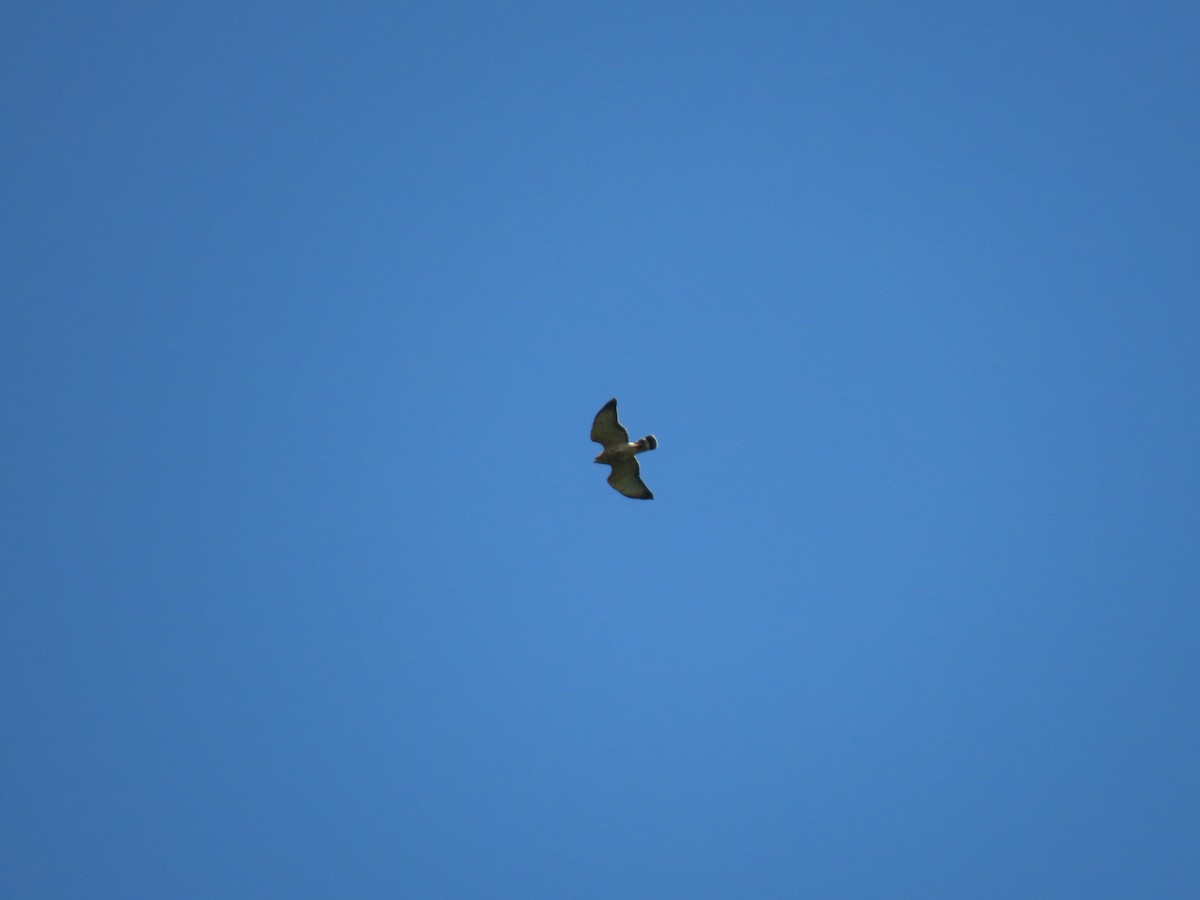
<point>626,477</point>
<point>607,430</point>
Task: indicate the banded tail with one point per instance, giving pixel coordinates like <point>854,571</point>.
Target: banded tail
<point>649,442</point>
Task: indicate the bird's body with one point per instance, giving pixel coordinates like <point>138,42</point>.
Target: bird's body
<point>620,452</point>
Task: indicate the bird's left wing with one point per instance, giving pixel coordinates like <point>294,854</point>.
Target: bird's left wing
<point>606,429</point>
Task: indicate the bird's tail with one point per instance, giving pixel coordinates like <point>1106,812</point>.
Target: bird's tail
<point>649,442</point>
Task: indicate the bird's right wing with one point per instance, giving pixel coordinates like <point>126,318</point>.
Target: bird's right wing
<point>626,477</point>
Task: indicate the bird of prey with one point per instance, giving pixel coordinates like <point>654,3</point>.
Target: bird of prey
<point>619,452</point>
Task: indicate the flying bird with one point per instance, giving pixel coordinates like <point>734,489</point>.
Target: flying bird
<point>619,452</point>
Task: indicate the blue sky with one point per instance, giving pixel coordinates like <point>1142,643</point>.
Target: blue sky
<point>312,589</point>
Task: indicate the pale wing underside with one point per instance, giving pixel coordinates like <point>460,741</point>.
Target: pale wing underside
<point>626,477</point>
<point>607,430</point>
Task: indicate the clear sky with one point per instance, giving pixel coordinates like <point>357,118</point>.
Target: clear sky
<point>311,588</point>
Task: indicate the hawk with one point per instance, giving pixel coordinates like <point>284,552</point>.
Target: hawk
<point>619,452</point>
